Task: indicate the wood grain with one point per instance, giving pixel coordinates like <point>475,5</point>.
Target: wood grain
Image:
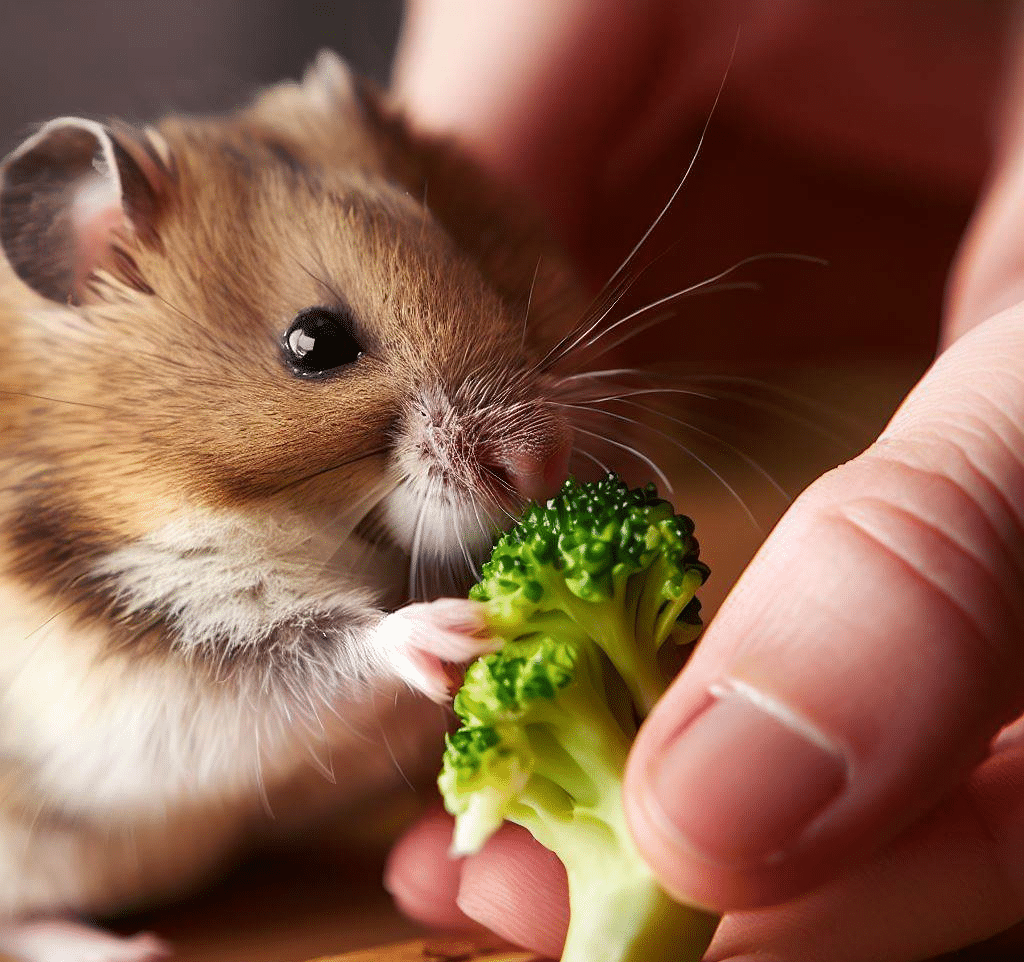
<point>435,950</point>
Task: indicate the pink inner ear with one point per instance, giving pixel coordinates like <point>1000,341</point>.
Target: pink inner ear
<point>97,217</point>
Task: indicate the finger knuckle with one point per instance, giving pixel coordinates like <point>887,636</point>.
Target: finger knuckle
<point>942,537</point>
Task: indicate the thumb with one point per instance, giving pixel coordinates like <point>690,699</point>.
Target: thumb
<point>861,667</point>
<point>863,663</point>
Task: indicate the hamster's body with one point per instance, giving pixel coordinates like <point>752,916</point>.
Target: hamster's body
<point>206,515</point>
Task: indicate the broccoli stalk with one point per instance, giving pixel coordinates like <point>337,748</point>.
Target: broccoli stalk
<point>584,592</point>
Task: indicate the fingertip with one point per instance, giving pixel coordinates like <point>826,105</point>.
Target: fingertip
<point>151,947</point>
<point>792,745</point>
<point>517,889</point>
<point>422,878</point>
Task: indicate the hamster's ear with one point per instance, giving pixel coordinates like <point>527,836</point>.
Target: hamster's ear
<point>71,195</point>
<point>327,92</point>
<point>328,83</point>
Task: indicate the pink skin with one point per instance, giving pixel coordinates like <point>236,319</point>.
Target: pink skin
<point>537,477</point>
<point>823,771</point>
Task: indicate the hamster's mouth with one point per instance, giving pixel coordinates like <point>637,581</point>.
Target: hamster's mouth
<point>439,528</point>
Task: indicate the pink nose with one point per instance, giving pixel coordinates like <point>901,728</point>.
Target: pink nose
<point>536,474</point>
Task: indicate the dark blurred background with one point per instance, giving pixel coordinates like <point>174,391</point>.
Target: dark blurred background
<point>139,60</point>
<point>888,225</point>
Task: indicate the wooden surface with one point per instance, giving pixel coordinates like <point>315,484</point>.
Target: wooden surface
<point>326,898</point>
<point>435,950</point>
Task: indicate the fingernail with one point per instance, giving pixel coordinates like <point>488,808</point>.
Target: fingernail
<point>743,779</point>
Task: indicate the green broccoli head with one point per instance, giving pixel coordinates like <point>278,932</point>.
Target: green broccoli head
<point>583,592</point>
<point>489,761</point>
<point>484,770</point>
<point>506,685</point>
<point>605,562</point>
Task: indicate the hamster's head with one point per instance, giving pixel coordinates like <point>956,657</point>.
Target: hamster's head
<point>288,325</point>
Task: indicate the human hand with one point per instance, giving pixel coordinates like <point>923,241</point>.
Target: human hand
<point>857,132</point>
<point>824,769</point>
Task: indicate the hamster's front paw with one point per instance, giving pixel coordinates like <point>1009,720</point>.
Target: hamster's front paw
<point>61,940</point>
<point>423,638</point>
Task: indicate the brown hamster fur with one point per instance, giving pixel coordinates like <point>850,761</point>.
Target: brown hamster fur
<point>201,531</point>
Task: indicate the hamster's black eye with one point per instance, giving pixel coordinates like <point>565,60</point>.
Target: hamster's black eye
<point>319,340</point>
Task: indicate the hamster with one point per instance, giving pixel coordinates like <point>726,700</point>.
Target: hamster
<point>265,379</point>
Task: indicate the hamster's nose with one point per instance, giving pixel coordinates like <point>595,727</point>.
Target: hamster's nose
<point>535,473</point>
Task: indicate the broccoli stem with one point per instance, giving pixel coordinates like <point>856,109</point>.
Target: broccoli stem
<point>618,912</point>
<point>627,917</point>
<point>573,805</point>
<point>585,592</point>
<point>612,626</point>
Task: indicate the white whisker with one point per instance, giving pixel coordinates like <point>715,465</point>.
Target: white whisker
<point>662,317</point>
<point>590,457</point>
<point>414,551</point>
<point>701,289</point>
<point>689,168</point>
<point>788,394</point>
<point>599,309</point>
<point>683,292</point>
<point>642,391</point>
<point>774,408</point>
<point>673,440</point>
<point>529,301</point>
<point>639,455</point>
<point>390,750</point>
<point>607,373</point>
<point>714,437</point>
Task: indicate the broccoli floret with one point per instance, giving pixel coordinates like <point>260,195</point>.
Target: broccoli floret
<point>583,592</point>
<point>602,562</point>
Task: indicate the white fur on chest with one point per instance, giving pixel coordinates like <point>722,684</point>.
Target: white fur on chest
<point>131,742</point>
<point>165,775</point>
<point>124,730</point>
<point>227,580</point>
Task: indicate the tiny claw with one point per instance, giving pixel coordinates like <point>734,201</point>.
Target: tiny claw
<point>426,673</point>
<point>451,628</point>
